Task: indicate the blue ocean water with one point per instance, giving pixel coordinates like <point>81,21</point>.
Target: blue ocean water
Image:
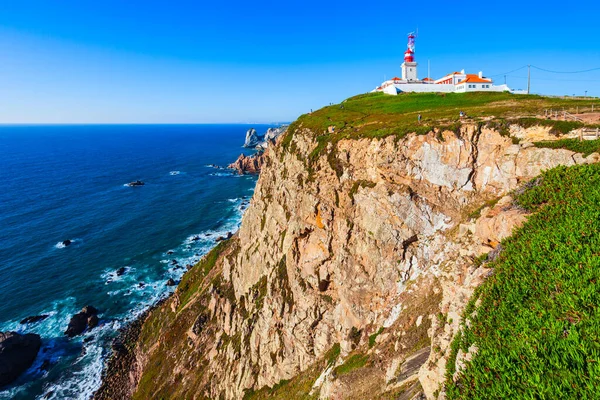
<point>67,182</point>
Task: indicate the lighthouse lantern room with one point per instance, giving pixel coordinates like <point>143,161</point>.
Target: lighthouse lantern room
<point>409,66</point>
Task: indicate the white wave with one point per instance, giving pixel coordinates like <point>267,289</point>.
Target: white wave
<point>62,245</point>
<point>174,172</point>
<point>83,377</point>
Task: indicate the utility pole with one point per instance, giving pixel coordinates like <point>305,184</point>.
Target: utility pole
<point>528,78</point>
<point>505,79</point>
<point>428,70</point>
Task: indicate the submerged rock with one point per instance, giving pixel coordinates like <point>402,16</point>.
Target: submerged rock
<point>17,353</point>
<point>86,318</point>
<point>136,183</point>
<point>33,319</point>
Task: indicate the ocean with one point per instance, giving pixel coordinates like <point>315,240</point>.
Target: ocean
<point>62,183</point>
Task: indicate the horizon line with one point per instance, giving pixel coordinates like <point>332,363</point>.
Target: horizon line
<point>5,124</point>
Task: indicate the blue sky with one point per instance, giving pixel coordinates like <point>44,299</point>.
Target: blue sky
<point>201,62</point>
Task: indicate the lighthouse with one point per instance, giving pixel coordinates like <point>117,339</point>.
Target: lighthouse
<point>409,66</point>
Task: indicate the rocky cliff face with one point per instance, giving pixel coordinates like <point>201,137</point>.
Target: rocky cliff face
<point>349,273</point>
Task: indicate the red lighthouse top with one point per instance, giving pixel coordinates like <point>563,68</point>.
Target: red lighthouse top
<point>409,54</point>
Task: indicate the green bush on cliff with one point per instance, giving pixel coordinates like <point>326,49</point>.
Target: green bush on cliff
<point>586,147</point>
<point>535,322</point>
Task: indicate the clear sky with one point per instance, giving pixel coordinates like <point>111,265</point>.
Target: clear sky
<point>83,61</point>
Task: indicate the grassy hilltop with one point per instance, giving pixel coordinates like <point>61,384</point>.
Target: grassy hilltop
<point>377,114</point>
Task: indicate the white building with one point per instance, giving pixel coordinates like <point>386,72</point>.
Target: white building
<point>456,82</point>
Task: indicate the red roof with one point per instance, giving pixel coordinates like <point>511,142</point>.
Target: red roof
<point>396,79</point>
<point>427,80</point>
<point>472,78</point>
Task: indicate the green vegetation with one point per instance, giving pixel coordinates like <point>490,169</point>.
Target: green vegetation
<point>191,282</point>
<point>259,292</point>
<point>332,355</point>
<point>586,147</point>
<point>300,385</point>
<point>360,184</point>
<point>379,115</point>
<point>373,337</point>
<point>556,127</point>
<point>490,203</point>
<point>354,362</point>
<point>535,322</point>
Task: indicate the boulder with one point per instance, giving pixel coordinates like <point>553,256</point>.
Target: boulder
<point>120,271</point>
<point>17,353</point>
<point>67,242</point>
<point>86,318</point>
<point>171,282</point>
<point>34,318</point>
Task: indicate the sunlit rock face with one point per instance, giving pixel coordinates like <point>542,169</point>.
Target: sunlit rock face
<point>371,233</point>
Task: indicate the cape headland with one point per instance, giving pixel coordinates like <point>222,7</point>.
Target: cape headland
<point>387,255</point>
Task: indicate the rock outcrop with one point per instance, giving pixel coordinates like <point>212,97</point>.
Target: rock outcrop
<point>248,164</point>
<point>350,271</point>
<point>254,140</point>
<point>17,353</point>
<point>87,318</point>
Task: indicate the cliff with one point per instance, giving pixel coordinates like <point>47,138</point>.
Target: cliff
<point>354,262</point>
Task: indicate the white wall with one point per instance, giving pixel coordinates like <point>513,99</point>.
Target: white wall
<point>425,87</point>
<point>445,88</point>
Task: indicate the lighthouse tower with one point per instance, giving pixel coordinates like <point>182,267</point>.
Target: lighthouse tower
<point>409,66</point>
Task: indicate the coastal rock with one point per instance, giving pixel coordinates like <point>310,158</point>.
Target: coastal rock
<point>67,242</point>
<point>17,353</point>
<point>248,165</point>
<point>34,319</point>
<point>85,319</point>
<point>170,282</point>
<point>274,133</point>
<point>120,271</point>
<point>252,138</point>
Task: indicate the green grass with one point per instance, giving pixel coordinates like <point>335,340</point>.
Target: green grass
<point>556,127</point>
<point>373,337</point>
<point>537,322</point>
<point>354,362</point>
<point>300,385</point>
<point>586,147</point>
<point>191,281</point>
